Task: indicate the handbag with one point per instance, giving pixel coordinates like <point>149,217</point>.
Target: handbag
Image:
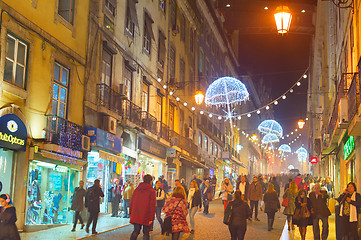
<point>167,223</point>
<point>228,214</point>
<point>301,213</point>
<point>285,202</point>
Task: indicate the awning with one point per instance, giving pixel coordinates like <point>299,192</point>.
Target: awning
<point>133,11</point>
<point>195,162</point>
<point>111,157</point>
<point>148,23</point>
<point>55,158</point>
<point>333,149</point>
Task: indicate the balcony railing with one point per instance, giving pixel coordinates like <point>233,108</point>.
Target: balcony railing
<point>149,122</point>
<point>163,131</point>
<point>209,128</point>
<point>183,143</point>
<point>132,112</point>
<point>109,98</point>
<point>353,97</point>
<point>64,133</point>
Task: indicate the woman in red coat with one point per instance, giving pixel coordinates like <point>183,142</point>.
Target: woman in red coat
<point>179,222</point>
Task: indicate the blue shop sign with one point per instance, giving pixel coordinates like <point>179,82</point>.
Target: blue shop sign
<point>104,139</point>
<point>13,133</point>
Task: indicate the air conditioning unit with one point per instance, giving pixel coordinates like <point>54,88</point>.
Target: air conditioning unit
<point>85,143</point>
<point>190,133</point>
<point>343,113</point>
<point>110,124</point>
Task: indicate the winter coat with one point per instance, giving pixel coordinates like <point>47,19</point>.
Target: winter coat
<point>291,202</point>
<point>196,199</point>
<point>8,229</point>
<point>271,201</point>
<point>227,191</point>
<point>128,192</point>
<point>205,193</point>
<point>115,193</point>
<point>319,204</point>
<point>179,222</point>
<point>240,212</point>
<point>277,187</point>
<point>142,204</point>
<point>255,191</point>
<point>77,203</point>
<point>92,198</point>
<point>304,221</point>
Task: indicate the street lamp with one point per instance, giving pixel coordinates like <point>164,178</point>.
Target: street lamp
<point>301,123</point>
<point>283,19</point>
<point>199,97</point>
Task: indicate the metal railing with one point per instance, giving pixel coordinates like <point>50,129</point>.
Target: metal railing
<point>64,133</point>
<point>109,98</point>
<point>149,122</point>
<point>132,112</point>
<point>209,128</point>
<point>183,142</point>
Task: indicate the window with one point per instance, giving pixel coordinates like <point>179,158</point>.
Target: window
<point>182,69</point>
<point>182,28</point>
<point>145,97</point>
<point>173,14</point>
<point>206,143</point>
<point>161,49</point>
<point>110,5</point>
<point>172,62</point>
<point>60,90</point>
<point>15,61</point>
<point>128,82</point>
<point>108,24</point>
<point>131,18</point>
<point>211,147</point>
<point>200,61</point>
<point>159,108</point>
<point>106,68</point>
<point>162,5</point>
<point>66,10</point>
<point>200,140</point>
<point>148,34</point>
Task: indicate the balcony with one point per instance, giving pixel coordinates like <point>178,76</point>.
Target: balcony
<point>64,133</point>
<point>353,97</point>
<point>109,98</point>
<point>149,122</point>
<point>183,143</point>
<point>210,129</point>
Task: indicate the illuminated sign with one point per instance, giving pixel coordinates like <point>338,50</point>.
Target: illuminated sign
<point>348,147</point>
<point>13,133</point>
<point>314,160</point>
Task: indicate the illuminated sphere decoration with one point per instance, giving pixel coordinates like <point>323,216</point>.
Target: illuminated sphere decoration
<point>270,138</point>
<point>284,148</point>
<point>271,126</point>
<point>302,154</point>
<point>226,91</point>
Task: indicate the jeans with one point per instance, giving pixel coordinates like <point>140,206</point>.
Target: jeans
<point>316,227</point>
<point>77,217</point>
<point>92,218</point>
<point>136,232</point>
<point>237,232</point>
<point>126,203</point>
<point>158,212</point>
<point>206,206</point>
<point>115,205</point>
<point>192,212</point>
<point>254,205</point>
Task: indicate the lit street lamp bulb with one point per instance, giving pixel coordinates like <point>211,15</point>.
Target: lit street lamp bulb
<point>258,111</point>
<point>305,76</point>
<point>159,79</point>
<point>284,97</point>
<point>267,108</point>
<point>239,117</point>
<point>177,99</point>
<point>220,118</point>
<point>210,115</point>
<point>201,112</point>
<point>185,104</point>
<point>193,108</point>
<point>291,91</point>
<point>171,93</point>
<point>164,86</point>
<point>249,115</point>
<point>276,102</point>
<point>298,83</point>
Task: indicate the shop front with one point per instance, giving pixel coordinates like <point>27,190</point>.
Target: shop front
<point>350,159</point>
<point>152,158</point>
<point>13,140</point>
<point>104,162</point>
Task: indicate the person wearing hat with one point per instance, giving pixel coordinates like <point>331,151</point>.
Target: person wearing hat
<point>8,229</point>
<point>115,194</point>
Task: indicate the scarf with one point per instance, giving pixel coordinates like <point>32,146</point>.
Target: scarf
<point>353,210</point>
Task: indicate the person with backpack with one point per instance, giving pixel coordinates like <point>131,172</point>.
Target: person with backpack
<point>235,216</point>
<point>77,204</point>
<point>142,208</point>
<point>92,204</point>
<point>176,209</point>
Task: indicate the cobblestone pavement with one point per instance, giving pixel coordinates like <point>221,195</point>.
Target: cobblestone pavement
<point>210,227</point>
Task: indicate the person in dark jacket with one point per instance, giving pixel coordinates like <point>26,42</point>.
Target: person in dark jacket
<point>8,229</point>
<point>206,193</point>
<point>199,181</point>
<point>302,201</point>
<point>240,213</point>
<point>287,185</point>
<point>92,204</point>
<point>276,185</point>
<point>115,194</point>
<point>77,204</point>
<point>243,186</point>
<point>319,211</point>
<point>194,202</point>
<point>272,205</point>
<point>255,193</point>
<point>142,208</point>
<point>350,202</point>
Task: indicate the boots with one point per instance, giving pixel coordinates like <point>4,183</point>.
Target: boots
<point>269,224</point>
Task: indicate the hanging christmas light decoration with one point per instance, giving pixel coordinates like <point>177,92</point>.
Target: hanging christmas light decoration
<point>270,138</point>
<point>271,126</point>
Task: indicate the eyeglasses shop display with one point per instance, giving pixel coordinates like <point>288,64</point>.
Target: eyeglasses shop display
<point>50,189</point>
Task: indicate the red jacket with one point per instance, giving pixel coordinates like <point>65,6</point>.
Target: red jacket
<point>142,204</point>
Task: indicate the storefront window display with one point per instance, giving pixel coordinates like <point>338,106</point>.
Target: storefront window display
<point>150,166</point>
<point>99,168</point>
<point>351,170</point>
<point>6,165</point>
<point>50,189</point>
